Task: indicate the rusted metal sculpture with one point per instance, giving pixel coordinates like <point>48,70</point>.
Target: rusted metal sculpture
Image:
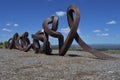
<point>23,42</point>
<point>36,44</point>
<point>52,32</point>
<point>11,41</point>
<point>73,17</point>
<point>40,35</point>
<point>73,21</point>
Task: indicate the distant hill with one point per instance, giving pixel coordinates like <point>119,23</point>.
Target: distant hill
<point>96,46</point>
<point>106,46</point>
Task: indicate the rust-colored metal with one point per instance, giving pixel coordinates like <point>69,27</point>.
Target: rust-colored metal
<point>40,35</point>
<point>11,41</point>
<point>73,17</point>
<point>52,32</point>
<point>23,42</point>
<point>36,44</point>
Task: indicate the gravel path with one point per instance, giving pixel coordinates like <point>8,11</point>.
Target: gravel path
<point>76,65</point>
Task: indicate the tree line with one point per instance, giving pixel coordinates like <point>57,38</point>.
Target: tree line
<point>3,44</point>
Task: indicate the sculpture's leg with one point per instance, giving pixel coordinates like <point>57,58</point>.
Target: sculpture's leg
<point>73,17</point>
<point>36,46</point>
<point>28,45</point>
<point>11,41</point>
<point>23,43</point>
<point>73,20</point>
<point>52,32</point>
<point>18,44</point>
<point>87,48</point>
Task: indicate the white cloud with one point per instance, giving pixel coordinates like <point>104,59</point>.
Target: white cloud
<point>42,30</point>
<point>60,13</point>
<point>78,30</point>
<point>8,24</point>
<point>97,31</point>
<point>52,38</point>
<point>15,25</point>
<point>111,22</point>
<point>67,30</point>
<point>106,29</point>
<point>103,34</point>
<point>5,29</point>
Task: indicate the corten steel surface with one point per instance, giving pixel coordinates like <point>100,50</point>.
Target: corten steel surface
<point>52,32</point>
<point>73,17</point>
<point>40,35</point>
<point>11,41</point>
<point>35,44</point>
<point>23,43</point>
<point>36,37</point>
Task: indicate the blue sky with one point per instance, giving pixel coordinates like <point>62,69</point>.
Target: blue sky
<point>99,22</point>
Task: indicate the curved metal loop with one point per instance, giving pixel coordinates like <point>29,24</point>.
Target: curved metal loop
<point>36,37</point>
<point>52,32</point>
<point>11,41</point>
<point>36,45</point>
<point>23,42</point>
<point>73,17</point>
